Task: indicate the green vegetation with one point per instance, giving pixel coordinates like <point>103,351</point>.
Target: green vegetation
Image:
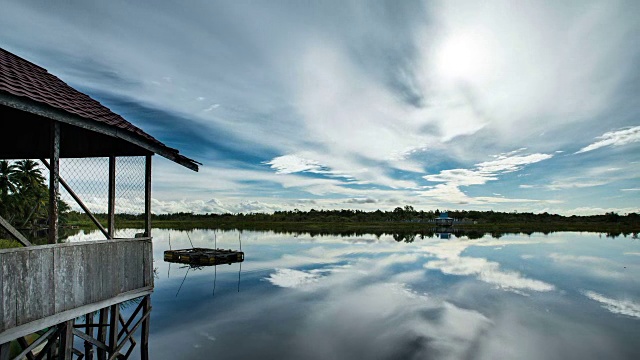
<point>7,244</point>
<point>397,221</point>
<point>24,197</point>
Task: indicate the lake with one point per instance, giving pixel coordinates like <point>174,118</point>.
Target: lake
<point>555,296</point>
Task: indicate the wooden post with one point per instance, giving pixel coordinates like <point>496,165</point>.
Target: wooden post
<point>54,190</point>
<point>102,334</point>
<point>88,347</point>
<point>113,329</point>
<point>147,196</point>
<point>65,351</point>
<point>111,211</point>
<point>144,337</point>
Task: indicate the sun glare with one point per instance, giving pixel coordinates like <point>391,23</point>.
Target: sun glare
<point>463,57</point>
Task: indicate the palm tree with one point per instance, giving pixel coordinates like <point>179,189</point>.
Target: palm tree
<point>7,189</point>
<point>28,175</point>
<point>31,188</point>
<point>7,178</point>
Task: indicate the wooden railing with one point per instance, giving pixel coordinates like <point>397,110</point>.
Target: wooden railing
<point>41,286</point>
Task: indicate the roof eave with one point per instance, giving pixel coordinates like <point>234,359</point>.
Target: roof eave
<point>37,108</point>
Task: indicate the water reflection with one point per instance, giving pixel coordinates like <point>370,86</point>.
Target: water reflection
<point>556,296</point>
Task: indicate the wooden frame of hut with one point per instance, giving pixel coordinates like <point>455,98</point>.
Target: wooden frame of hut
<point>52,286</point>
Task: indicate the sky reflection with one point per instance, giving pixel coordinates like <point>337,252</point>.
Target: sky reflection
<point>367,297</point>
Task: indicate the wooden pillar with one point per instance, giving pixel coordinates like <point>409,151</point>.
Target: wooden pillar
<point>144,337</point>
<point>113,329</point>
<point>54,187</point>
<point>65,350</point>
<point>102,334</point>
<point>88,347</point>
<point>111,211</point>
<point>147,196</point>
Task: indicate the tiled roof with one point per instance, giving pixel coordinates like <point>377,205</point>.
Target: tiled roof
<point>20,77</point>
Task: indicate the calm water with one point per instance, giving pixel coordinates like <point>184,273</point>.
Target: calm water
<point>557,296</point>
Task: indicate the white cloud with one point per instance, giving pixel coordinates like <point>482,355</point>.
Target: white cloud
<point>288,164</point>
<point>578,259</point>
<point>450,261</point>
<point>616,306</point>
<point>290,278</point>
<point>510,163</point>
<point>461,177</point>
<point>614,139</point>
<point>481,174</point>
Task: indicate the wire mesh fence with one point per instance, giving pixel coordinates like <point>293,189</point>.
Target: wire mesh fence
<point>129,204</point>
<point>24,197</point>
<point>88,178</point>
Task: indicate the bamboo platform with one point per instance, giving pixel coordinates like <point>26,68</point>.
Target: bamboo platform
<point>203,256</point>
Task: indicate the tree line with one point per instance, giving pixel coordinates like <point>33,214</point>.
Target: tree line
<point>406,214</point>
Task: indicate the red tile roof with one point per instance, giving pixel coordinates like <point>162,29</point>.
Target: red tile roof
<point>22,78</point>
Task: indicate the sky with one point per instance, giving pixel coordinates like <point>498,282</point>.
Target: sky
<point>527,106</point>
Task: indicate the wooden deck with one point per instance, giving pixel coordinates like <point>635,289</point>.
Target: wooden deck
<point>42,286</point>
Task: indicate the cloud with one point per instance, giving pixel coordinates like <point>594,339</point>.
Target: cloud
<point>510,163</point>
<point>450,261</point>
<point>597,266</point>
<point>482,173</point>
<point>622,307</point>
<point>614,138</point>
<point>362,201</point>
<point>461,177</point>
<point>288,164</point>
<point>289,278</point>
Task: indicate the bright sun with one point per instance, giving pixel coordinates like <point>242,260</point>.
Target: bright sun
<point>464,57</point>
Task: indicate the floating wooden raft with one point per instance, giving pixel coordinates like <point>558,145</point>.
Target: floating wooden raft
<point>203,256</point>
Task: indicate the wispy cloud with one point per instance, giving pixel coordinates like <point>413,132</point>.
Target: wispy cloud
<point>616,306</point>
<point>481,174</point>
<point>614,139</point>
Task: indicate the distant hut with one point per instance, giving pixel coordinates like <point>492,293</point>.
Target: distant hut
<point>53,286</point>
<point>444,220</point>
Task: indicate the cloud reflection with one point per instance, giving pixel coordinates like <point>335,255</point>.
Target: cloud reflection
<point>451,262</point>
<point>622,307</point>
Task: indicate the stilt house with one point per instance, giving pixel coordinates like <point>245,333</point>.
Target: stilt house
<point>49,288</point>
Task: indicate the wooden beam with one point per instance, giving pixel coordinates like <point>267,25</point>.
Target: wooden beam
<point>65,351</point>
<point>27,351</point>
<point>147,196</point>
<point>54,187</point>
<point>40,324</point>
<point>14,232</point>
<point>111,210</point>
<point>102,332</point>
<point>135,327</point>
<point>88,348</point>
<point>34,107</point>
<point>90,340</point>
<point>114,316</point>
<point>78,201</point>
<point>144,337</point>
